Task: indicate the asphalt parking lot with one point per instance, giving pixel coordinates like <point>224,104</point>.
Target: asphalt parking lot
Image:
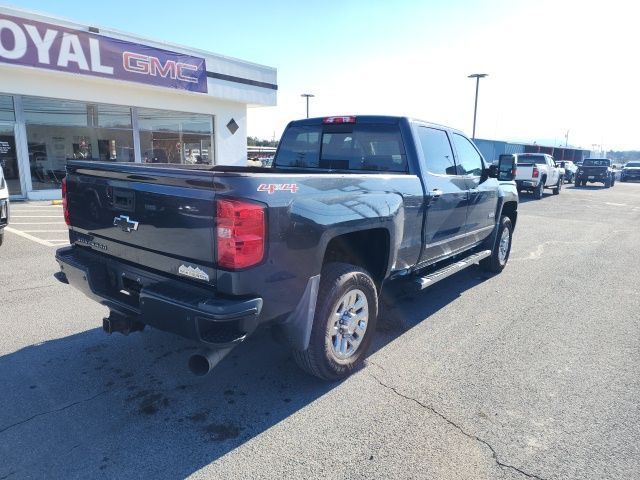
<point>529,374</point>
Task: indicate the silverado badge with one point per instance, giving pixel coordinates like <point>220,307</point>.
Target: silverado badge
<point>193,272</point>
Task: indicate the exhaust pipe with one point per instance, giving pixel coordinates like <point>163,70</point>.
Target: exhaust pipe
<point>119,323</point>
<point>203,361</point>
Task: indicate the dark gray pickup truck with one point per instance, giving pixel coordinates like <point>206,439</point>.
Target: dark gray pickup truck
<point>350,206</point>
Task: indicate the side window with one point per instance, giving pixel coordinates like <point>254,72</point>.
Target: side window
<point>469,160</point>
<point>437,152</point>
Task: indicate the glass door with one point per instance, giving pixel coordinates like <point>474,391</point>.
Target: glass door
<point>9,159</point>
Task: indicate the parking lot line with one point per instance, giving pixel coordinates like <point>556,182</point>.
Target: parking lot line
<point>46,231</point>
<point>37,223</point>
<point>30,237</point>
<point>35,216</point>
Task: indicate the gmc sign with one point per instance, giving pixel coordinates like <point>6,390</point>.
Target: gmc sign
<point>42,45</point>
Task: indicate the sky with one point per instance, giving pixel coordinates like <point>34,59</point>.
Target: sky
<point>553,66</point>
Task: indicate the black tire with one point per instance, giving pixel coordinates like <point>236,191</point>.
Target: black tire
<point>1,237</point>
<point>558,187</point>
<point>622,179</point>
<point>496,262</point>
<point>607,184</point>
<point>319,359</point>
<point>538,192</point>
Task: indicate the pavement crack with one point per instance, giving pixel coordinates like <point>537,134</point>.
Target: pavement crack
<point>460,429</point>
<point>21,422</point>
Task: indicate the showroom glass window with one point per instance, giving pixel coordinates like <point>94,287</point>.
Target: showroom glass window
<point>8,157</point>
<point>61,130</point>
<point>175,137</point>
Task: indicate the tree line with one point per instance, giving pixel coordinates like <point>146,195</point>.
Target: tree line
<point>257,142</point>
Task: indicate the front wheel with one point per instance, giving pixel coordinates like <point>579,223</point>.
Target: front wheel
<point>558,187</point>
<point>501,249</point>
<point>343,325</point>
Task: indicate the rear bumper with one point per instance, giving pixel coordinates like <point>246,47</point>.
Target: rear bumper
<point>158,300</point>
<point>526,184</point>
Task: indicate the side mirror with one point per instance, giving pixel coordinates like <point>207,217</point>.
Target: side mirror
<point>507,167</point>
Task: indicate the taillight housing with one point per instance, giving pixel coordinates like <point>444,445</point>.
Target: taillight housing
<point>65,202</point>
<point>535,172</point>
<point>240,233</point>
<point>342,119</point>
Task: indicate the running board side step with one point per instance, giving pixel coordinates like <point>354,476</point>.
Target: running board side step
<point>428,280</point>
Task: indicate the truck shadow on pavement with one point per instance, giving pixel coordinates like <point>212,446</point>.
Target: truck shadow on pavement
<point>91,405</point>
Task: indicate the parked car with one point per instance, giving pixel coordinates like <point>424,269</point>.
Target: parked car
<point>537,171</point>
<point>307,246</point>
<point>4,205</point>
<point>595,170</point>
<point>631,171</point>
<point>570,170</point>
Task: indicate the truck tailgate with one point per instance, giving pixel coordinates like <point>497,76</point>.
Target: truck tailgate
<point>161,218</point>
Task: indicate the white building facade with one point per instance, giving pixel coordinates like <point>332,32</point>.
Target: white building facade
<point>72,91</point>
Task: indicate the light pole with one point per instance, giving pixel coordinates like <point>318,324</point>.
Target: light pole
<point>477,76</point>
<point>307,95</point>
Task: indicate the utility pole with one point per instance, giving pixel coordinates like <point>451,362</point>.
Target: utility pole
<point>477,76</point>
<point>566,139</point>
<point>307,96</point>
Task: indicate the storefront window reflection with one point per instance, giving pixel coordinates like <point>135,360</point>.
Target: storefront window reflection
<point>61,130</point>
<point>175,137</point>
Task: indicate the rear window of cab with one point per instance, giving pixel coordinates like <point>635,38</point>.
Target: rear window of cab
<point>365,147</point>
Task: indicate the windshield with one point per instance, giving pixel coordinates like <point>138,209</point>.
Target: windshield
<point>632,164</point>
<point>343,147</point>
<point>596,163</point>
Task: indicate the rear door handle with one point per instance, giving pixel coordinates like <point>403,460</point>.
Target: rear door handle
<point>435,193</point>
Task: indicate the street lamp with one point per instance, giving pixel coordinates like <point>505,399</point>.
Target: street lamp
<point>477,76</point>
<point>307,95</point>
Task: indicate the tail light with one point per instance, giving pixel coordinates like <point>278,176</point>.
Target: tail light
<point>343,119</point>
<point>65,203</point>
<point>535,172</point>
<point>240,233</point>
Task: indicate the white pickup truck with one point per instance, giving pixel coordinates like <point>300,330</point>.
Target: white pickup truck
<point>537,171</point>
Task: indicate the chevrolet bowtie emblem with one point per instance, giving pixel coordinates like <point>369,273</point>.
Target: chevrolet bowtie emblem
<point>125,224</point>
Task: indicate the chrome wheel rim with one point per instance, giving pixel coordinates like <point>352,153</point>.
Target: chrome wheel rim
<point>503,248</point>
<point>350,321</point>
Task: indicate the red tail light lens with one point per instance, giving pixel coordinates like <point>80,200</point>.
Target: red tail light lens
<point>65,203</point>
<point>535,172</point>
<point>240,233</point>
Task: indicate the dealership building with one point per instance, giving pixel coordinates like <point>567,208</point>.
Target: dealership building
<point>72,91</point>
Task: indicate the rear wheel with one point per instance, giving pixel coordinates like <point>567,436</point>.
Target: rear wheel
<point>344,322</point>
<point>501,249</point>
<point>538,192</point>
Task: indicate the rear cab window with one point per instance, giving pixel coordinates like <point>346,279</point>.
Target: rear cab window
<point>596,163</point>
<point>351,147</point>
